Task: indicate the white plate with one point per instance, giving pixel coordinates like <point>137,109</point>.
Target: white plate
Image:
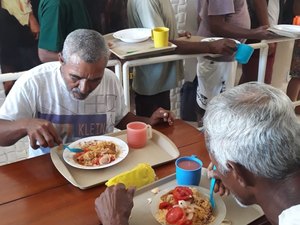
<point>219,211</point>
<point>133,35</point>
<point>289,28</point>
<point>121,145</point>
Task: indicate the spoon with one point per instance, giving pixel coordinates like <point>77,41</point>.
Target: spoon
<point>73,149</point>
<point>211,191</point>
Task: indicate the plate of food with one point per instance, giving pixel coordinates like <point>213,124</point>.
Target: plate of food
<point>98,152</point>
<point>187,205</point>
<point>133,35</point>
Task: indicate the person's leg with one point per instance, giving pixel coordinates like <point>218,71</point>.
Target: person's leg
<point>250,70</point>
<point>18,47</point>
<point>147,104</point>
<point>188,101</point>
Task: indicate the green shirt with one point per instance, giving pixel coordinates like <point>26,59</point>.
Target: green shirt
<point>57,19</point>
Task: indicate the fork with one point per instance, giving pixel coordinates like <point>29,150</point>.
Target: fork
<point>211,191</point>
<point>72,149</point>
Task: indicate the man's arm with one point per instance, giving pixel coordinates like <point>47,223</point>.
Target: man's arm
<point>40,132</point>
<point>223,46</point>
<point>158,116</point>
<point>220,27</point>
<point>12,131</point>
<point>52,26</point>
<point>47,56</point>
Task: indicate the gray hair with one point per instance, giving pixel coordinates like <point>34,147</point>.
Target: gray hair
<point>88,45</point>
<point>254,125</point>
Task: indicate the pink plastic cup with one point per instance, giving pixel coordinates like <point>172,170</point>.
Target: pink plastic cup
<point>137,134</point>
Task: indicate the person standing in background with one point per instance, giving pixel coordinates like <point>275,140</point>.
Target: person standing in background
<point>152,83</point>
<point>227,18</point>
<point>57,19</point>
<point>262,13</point>
<point>107,15</point>
<point>293,88</point>
<point>19,31</point>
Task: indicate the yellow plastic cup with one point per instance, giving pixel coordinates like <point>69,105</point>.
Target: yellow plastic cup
<point>160,36</point>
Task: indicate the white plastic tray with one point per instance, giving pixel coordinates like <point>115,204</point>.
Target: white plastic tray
<point>158,150</point>
<point>132,50</point>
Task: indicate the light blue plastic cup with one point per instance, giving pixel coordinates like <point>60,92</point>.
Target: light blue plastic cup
<point>243,53</point>
<point>188,170</point>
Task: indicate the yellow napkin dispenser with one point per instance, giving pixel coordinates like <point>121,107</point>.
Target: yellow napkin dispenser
<point>139,176</point>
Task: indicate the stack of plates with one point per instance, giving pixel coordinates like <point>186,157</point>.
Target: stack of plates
<point>286,30</point>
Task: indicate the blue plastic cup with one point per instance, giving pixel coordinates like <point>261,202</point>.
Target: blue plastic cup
<point>188,170</point>
<point>243,53</point>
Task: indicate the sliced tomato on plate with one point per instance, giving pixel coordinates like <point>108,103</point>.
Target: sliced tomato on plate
<point>182,193</point>
<point>165,205</point>
<point>174,215</point>
<point>184,221</point>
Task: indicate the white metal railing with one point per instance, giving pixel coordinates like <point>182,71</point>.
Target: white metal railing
<point>263,46</point>
<point>147,61</point>
<point>10,76</point>
<point>117,64</point>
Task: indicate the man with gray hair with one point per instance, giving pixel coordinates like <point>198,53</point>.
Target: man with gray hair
<point>59,102</point>
<point>252,136</point>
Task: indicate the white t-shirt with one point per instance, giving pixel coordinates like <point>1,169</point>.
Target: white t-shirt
<point>273,11</point>
<point>290,216</point>
<point>42,93</point>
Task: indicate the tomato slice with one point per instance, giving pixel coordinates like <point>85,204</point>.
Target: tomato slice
<point>165,205</point>
<point>182,193</point>
<point>174,215</point>
<point>184,221</point>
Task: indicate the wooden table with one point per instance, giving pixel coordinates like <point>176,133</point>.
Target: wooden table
<point>34,192</point>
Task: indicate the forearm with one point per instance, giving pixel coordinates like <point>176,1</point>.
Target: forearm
<point>261,9</point>
<point>230,31</point>
<point>47,56</point>
<point>219,27</point>
<point>12,131</point>
<point>187,47</point>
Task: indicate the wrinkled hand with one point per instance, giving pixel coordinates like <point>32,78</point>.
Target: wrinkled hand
<point>162,115</point>
<point>42,132</point>
<point>219,187</point>
<point>261,33</point>
<point>222,46</point>
<point>114,205</point>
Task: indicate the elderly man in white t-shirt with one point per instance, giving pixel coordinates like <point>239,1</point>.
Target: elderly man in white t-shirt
<point>59,102</point>
<point>252,136</point>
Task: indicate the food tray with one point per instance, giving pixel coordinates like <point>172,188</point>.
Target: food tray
<point>141,213</point>
<point>132,50</point>
<point>158,150</point>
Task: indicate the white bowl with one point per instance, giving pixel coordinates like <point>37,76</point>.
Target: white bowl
<point>133,35</point>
